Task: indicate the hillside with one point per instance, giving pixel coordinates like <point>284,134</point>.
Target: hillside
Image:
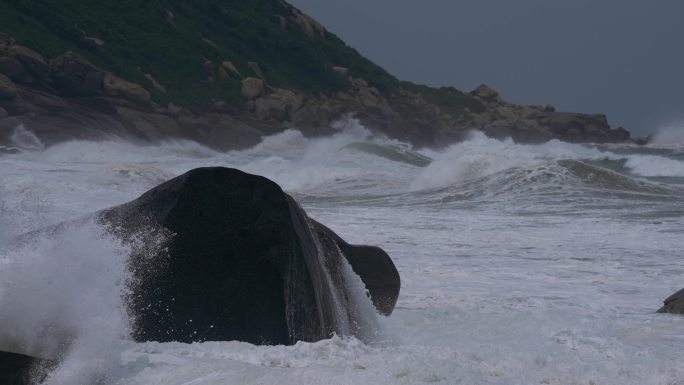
<point>175,40</point>
<point>262,63</point>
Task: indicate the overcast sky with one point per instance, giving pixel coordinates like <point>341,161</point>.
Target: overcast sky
<point>624,58</point>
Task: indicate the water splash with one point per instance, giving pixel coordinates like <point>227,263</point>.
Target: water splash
<point>64,289</point>
<point>671,135</point>
<point>25,139</point>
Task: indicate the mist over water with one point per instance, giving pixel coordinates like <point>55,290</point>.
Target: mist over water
<point>670,135</point>
<point>539,264</point>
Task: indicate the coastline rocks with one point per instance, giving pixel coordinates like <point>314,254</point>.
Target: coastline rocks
<point>116,86</point>
<point>252,88</point>
<point>7,88</point>
<point>32,61</point>
<point>6,40</point>
<point>310,27</point>
<point>75,76</point>
<point>486,93</point>
<point>227,255</point>
<point>219,131</point>
<point>536,124</point>
<point>674,304</point>
<point>13,69</point>
<point>278,105</point>
<point>70,86</point>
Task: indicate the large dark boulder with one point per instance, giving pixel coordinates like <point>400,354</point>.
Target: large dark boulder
<point>673,304</point>
<point>219,254</point>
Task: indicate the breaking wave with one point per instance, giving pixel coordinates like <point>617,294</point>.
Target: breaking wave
<point>556,180</point>
<point>489,167</point>
<point>395,152</point>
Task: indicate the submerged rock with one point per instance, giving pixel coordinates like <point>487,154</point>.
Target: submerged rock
<point>673,304</point>
<point>224,255</point>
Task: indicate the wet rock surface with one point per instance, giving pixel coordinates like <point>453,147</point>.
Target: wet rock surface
<point>673,304</point>
<point>227,255</point>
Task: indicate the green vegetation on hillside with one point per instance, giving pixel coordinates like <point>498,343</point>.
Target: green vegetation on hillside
<point>172,39</point>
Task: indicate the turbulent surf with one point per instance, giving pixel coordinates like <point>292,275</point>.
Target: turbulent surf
<point>536,264</point>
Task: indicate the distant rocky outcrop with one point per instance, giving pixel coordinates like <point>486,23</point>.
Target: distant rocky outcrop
<point>219,254</point>
<point>538,123</point>
<point>673,304</point>
<point>297,75</point>
<point>531,124</point>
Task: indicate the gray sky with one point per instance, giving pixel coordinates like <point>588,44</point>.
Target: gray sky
<point>624,58</point>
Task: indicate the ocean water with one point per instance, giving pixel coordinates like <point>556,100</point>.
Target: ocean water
<point>520,264</point>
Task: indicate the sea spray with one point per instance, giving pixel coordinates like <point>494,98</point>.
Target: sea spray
<point>352,309</point>
<point>64,289</point>
<point>301,164</point>
<point>26,139</point>
<point>363,316</point>
<point>671,135</point>
<point>655,166</point>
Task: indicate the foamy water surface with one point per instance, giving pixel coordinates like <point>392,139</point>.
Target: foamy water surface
<point>520,264</point>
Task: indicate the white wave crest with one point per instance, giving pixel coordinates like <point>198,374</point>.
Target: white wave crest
<point>658,166</point>
<point>481,156</point>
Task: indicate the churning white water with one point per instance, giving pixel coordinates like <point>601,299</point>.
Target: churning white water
<point>520,264</point>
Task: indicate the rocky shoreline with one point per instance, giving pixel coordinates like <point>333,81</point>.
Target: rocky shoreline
<point>69,98</point>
